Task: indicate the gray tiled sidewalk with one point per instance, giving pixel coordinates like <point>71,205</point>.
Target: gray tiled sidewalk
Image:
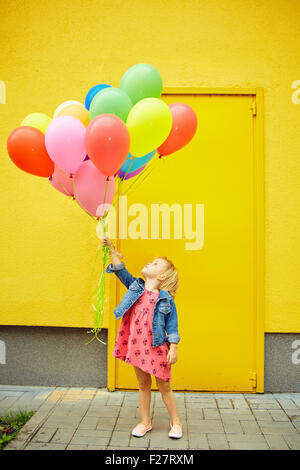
<point>84,418</point>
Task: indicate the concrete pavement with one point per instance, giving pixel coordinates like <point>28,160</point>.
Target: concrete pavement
<point>91,418</point>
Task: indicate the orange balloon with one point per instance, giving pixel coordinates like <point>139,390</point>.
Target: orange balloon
<point>26,148</point>
<point>184,126</point>
<point>77,111</point>
<point>107,142</point>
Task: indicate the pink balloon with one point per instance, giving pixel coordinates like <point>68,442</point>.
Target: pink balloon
<point>64,140</point>
<point>130,175</point>
<point>89,189</point>
<point>61,181</point>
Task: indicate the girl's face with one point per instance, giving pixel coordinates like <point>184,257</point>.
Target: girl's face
<point>154,269</point>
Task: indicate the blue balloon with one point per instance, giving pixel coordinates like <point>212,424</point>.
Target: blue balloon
<point>92,92</point>
<point>137,163</point>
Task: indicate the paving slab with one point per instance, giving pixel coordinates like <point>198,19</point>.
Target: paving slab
<point>44,446</point>
<point>224,403</point>
<point>276,442</point>
<point>44,434</point>
<point>240,403</point>
<point>232,427</point>
<point>81,418</point>
<point>277,427</point>
<point>217,441</point>
<point>198,441</point>
<point>246,442</point>
<point>293,441</point>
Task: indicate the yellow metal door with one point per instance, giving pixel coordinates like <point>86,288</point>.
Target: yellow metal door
<point>219,314</point>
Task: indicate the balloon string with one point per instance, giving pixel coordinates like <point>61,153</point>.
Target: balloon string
<point>144,173</point>
<point>61,185</point>
<point>65,189</point>
<point>74,198</point>
<point>137,178</point>
<point>93,270</point>
<point>99,308</point>
<point>123,177</point>
<point>106,184</point>
<point>64,173</point>
<point>115,198</point>
<point>100,289</point>
<point>152,168</point>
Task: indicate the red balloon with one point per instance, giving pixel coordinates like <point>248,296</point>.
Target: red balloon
<point>26,148</point>
<point>107,143</point>
<point>183,128</point>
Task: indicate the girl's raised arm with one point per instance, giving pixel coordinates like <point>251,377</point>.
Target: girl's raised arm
<point>116,258</point>
<point>117,265</point>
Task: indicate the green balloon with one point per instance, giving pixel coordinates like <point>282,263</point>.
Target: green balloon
<point>141,81</point>
<point>111,101</point>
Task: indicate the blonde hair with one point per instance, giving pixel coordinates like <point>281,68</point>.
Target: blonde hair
<point>170,281</point>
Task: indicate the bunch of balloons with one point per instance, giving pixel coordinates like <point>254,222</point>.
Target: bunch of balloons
<point>84,148</point>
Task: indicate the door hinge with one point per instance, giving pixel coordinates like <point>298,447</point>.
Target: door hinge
<point>253,378</point>
<point>254,108</point>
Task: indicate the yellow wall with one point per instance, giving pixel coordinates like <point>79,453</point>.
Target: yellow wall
<point>53,51</point>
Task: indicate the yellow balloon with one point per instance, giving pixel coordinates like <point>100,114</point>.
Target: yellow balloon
<point>149,123</point>
<point>64,104</point>
<point>38,120</point>
<point>77,111</point>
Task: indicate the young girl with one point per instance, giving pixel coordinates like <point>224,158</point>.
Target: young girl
<point>147,310</point>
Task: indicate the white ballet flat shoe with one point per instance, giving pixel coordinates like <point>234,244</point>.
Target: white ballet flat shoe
<point>175,431</point>
<point>140,430</point>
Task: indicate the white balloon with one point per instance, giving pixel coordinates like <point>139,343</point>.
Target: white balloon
<point>64,104</point>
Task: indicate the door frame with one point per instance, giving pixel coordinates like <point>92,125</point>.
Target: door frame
<point>259,235</point>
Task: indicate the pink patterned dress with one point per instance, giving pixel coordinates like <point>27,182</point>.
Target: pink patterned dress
<point>134,340</point>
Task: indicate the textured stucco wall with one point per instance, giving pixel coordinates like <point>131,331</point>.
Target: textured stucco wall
<point>53,51</point>
<point>282,362</point>
<point>53,357</point>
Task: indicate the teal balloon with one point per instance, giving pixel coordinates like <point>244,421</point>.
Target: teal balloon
<point>111,101</point>
<point>137,162</point>
<point>141,81</point>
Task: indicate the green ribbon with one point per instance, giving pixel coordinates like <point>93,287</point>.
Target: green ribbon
<point>100,290</point>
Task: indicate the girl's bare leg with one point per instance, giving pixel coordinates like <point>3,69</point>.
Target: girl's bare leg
<point>168,399</point>
<point>144,380</point>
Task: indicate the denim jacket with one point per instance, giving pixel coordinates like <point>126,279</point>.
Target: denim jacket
<point>164,314</point>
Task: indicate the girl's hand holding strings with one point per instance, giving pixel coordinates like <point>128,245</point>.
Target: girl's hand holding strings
<point>115,256</point>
